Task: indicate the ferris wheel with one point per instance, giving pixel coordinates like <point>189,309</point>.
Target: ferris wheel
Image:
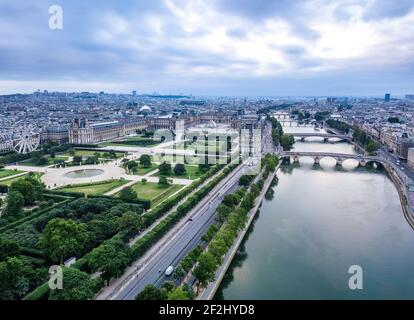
<point>24,138</point>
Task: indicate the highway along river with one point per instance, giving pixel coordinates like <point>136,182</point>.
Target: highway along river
<point>315,224</point>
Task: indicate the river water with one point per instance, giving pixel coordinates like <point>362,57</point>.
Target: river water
<point>315,224</point>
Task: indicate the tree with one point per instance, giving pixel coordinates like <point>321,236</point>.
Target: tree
<point>245,180</point>
<point>77,159</point>
<point>131,223</point>
<point>287,141</point>
<point>132,165</point>
<point>124,162</point>
<point>145,160</point>
<point>42,161</point>
<point>59,162</point>
<point>16,278</point>
<point>91,160</point>
<point>13,282</point>
<point>178,294</point>
<point>162,180</point>
<point>62,238</point>
<point>164,168</point>
<point>371,146</point>
<point>144,181</point>
<point>231,200</point>
<point>30,188</point>
<point>76,285</point>
<point>205,270</point>
<point>179,272</point>
<point>8,248</point>
<point>150,292</point>
<point>179,169</point>
<point>128,194</point>
<point>15,204</point>
<point>218,248</point>
<point>111,258</point>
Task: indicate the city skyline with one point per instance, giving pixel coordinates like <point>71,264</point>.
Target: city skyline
<point>218,48</point>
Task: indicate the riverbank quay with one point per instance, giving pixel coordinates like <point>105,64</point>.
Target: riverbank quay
<point>209,292</point>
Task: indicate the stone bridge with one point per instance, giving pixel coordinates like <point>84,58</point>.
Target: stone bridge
<point>296,123</point>
<point>339,157</point>
<point>323,135</point>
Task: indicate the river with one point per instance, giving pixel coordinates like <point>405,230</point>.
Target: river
<point>315,224</point>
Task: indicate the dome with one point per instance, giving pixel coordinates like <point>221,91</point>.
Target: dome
<point>145,108</point>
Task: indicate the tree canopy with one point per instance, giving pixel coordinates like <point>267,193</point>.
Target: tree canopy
<point>62,238</point>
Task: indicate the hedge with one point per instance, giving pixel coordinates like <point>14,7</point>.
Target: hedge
<point>31,252</point>
<point>63,193</point>
<point>146,204</point>
<point>39,293</point>
<point>166,205</point>
<point>139,247</point>
<point>33,216</point>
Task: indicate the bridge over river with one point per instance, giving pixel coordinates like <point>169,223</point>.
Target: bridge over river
<point>339,157</point>
<point>324,135</point>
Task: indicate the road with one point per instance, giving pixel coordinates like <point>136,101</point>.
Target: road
<point>182,240</point>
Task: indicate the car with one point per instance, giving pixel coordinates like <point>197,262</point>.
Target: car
<point>169,271</point>
<point>190,219</point>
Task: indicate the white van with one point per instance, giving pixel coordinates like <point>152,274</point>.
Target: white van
<point>169,271</point>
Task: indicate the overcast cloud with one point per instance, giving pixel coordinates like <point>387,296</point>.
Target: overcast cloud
<point>212,47</point>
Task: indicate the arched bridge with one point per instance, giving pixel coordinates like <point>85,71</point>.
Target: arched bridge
<point>323,135</point>
<point>339,157</point>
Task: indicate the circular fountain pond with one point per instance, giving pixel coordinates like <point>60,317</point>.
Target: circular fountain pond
<point>84,173</point>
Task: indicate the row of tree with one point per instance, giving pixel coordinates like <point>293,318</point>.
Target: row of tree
<point>285,140</point>
<point>359,135</point>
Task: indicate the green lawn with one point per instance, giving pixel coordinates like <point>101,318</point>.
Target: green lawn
<point>179,159</point>
<point>90,153</point>
<point>192,173</point>
<point>154,192</point>
<point>31,162</point>
<point>8,182</point>
<point>95,188</point>
<point>7,173</point>
<point>130,142</point>
<point>142,171</point>
<point>212,146</point>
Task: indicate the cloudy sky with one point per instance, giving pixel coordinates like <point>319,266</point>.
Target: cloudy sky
<point>210,47</point>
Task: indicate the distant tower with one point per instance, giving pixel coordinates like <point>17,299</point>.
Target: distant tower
<point>387,97</point>
<point>134,93</point>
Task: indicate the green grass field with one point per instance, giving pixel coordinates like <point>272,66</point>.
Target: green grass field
<point>7,173</point>
<point>192,173</point>
<point>177,159</point>
<point>90,153</point>
<point>129,139</point>
<point>142,171</point>
<point>8,182</point>
<point>95,188</point>
<point>154,192</point>
<point>212,146</point>
<point>50,161</point>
